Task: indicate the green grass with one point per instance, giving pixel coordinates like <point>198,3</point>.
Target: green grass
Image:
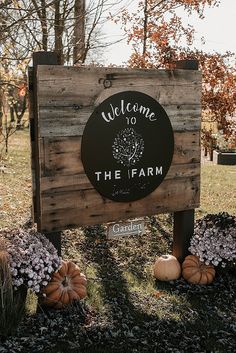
<point>218,189</point>
<point>15,182</point>
<point>94,289</point>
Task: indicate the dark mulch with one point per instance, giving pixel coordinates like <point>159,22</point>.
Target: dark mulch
<point>176,317</point>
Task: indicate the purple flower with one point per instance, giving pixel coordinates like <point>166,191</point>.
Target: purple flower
<point>214,239</point>
<point>32,258</point>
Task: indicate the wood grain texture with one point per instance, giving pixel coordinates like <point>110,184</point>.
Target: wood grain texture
<point>86,207</point>
<point>61,155</point>
<point>76,182</point>
<point>70,121</point>
<point>67,96</point>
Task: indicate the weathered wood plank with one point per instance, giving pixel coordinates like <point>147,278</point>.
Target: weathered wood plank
<point>177,171</point>
<point>70,120</point>
<point>82,113</point>
<point>85,84</point>
<point>163,94</point>
<point>91,199</point>
<point>61,156</point>
<point>68,96</point>
<point>71,183</point>
<point>187,147</point>
<point>62,211</point>
<point>70,73</point>
<point>62,183</point>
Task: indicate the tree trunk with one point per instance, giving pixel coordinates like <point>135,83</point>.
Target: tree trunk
<point>42,16</point>
<point>44,26</point>
<point>12,114</point>
<point>145,23</point>
<point>20,112</point>
<point>58,31</point>
<point>79,32</point>
<point>1,107</point>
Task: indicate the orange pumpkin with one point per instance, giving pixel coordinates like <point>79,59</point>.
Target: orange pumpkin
<point>167,268</point>
<point>197,272</point>
<point>66,285</point>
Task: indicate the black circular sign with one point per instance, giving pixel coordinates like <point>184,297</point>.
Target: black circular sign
<point>127,146</point>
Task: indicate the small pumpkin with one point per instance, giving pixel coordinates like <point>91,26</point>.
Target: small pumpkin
<point>167,268</point>
<point>66,285</point>
<point>197,272</point>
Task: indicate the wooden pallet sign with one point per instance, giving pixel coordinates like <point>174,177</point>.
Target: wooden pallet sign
<point>112,144</point>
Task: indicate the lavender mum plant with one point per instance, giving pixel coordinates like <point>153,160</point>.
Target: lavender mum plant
<point>32,258</point>
<point>214,239</point>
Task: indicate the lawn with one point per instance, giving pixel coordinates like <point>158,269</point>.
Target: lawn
<point>218,189</point>
<point>15,182</point>
<point>126,310</point>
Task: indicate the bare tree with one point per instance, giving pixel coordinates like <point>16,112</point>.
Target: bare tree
<point>71,28</point>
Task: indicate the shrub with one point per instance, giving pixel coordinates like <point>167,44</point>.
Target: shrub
<point>12,304</point>
<point>27,260</point>
<point>226,143</point>
<point>32,258</point>
<point>214,239</point>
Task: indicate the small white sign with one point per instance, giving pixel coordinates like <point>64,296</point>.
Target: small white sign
<point>120,229</point>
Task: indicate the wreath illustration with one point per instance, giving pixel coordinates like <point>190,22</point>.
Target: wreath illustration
<point>128,147</point>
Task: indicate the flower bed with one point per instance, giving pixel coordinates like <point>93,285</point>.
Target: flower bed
<point>225,158</point>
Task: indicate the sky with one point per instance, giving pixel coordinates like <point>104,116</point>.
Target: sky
<point>218,28</point>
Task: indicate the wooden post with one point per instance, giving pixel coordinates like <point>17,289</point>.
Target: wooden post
<point>39,58</point>
<point>183,220</point>
<point>183,231</point>
<point>187,64</point>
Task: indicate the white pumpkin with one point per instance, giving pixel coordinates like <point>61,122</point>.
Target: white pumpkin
<point>167,268</point>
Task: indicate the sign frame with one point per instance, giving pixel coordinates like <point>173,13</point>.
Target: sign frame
<point>61,101</point>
